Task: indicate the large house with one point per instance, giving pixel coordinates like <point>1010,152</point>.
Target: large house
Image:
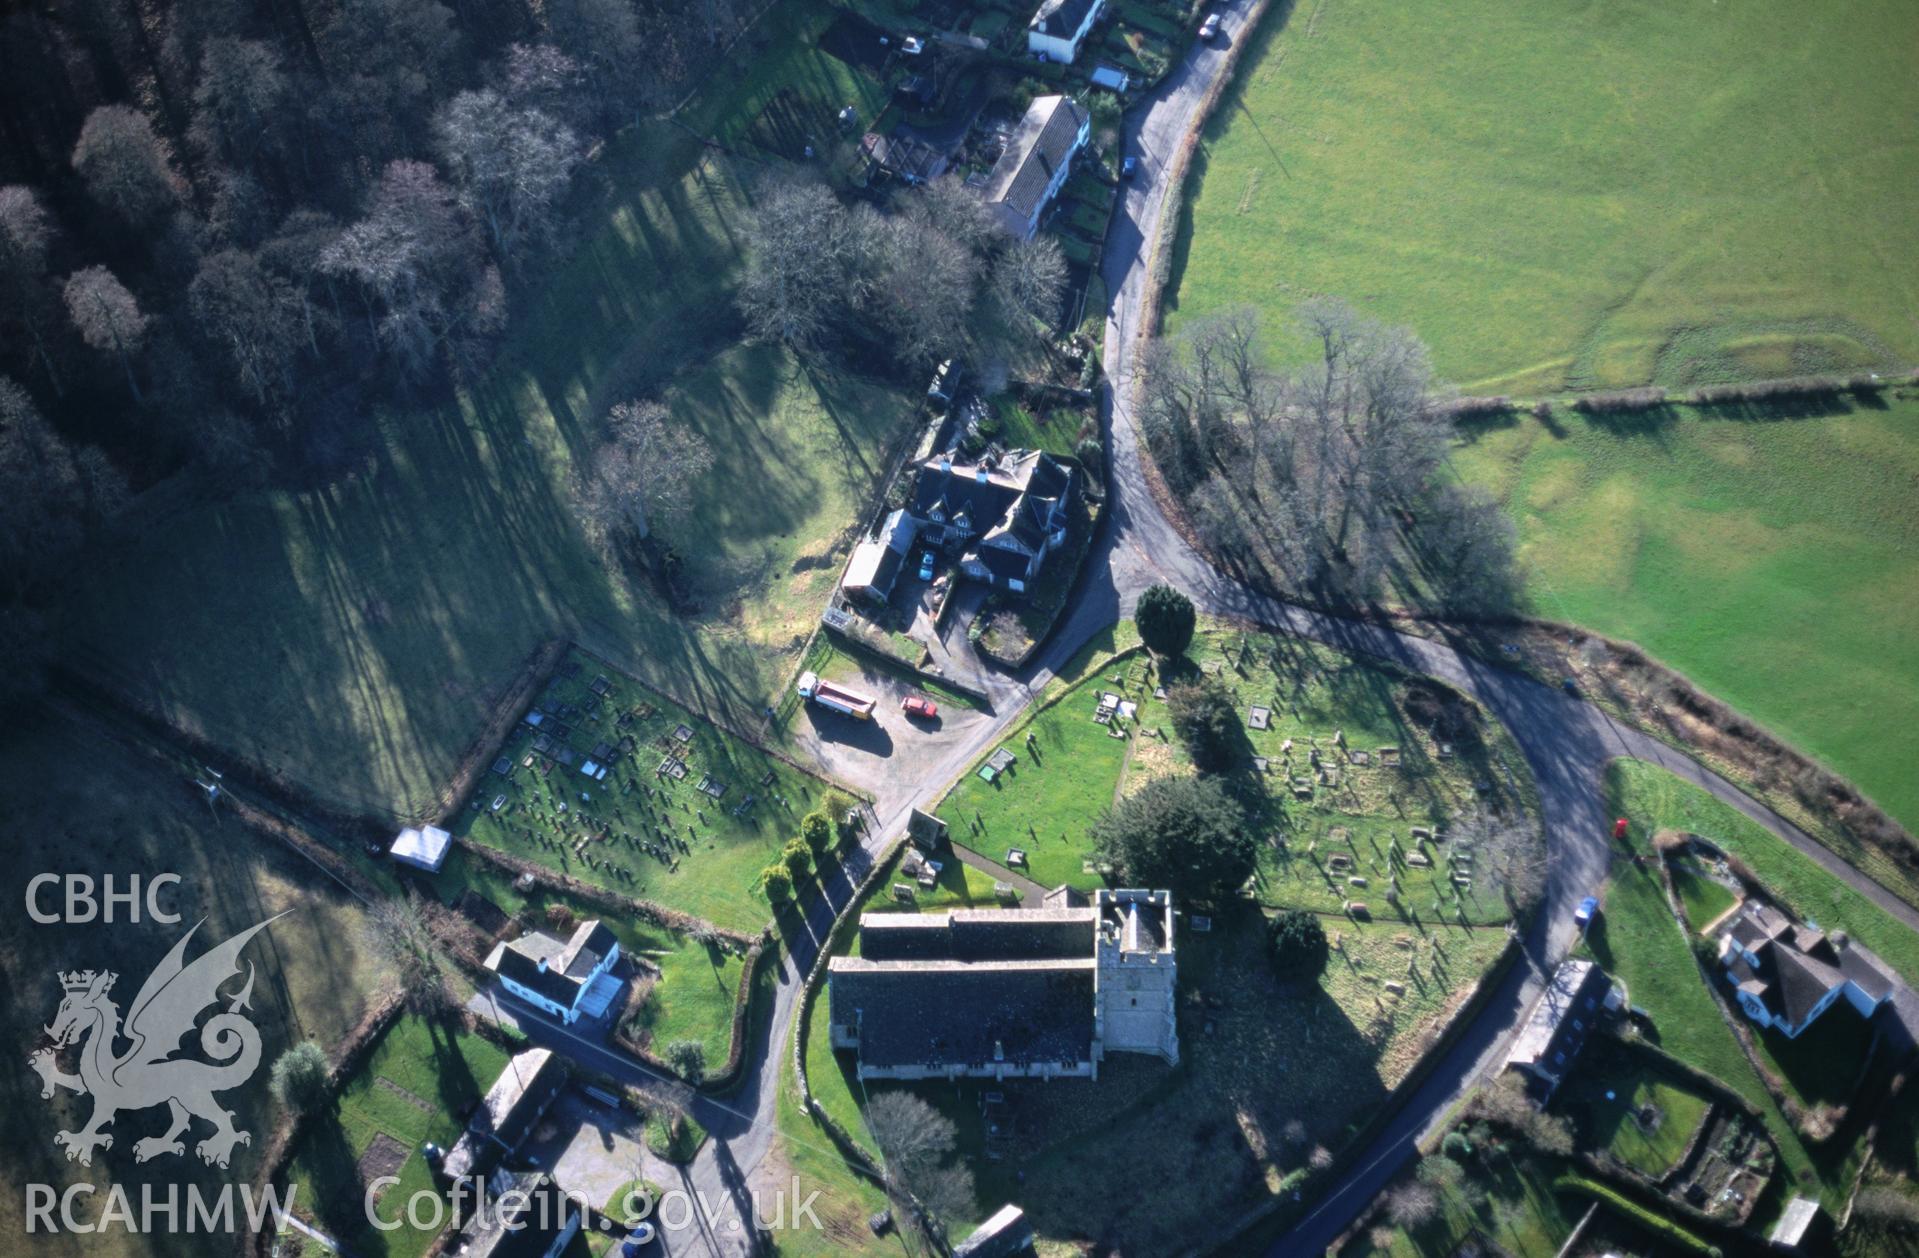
<point>1556,1029</point>
<point>1008,993</point>
<point>1060,27</point>
<point>1037,159</point>
<point>876,562</point>
<point>1000,516</point>
<point>569,979</point>
<point>506,1116</point>
<point>1785,973</point>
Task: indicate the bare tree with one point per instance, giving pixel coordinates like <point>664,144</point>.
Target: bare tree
<point>1471,551</point>
<point>107,317</point>
<point>915,1142</point>
<point>1509,853</point>
<point>547,78</point>
<point>1412,1204</point>
<point>25,234</point>
<point>918,288</point>
<point>40,493</point>
<point>124,165</point>
<point>511,165</point>
<point>800,275</point>
<point>645,474</point>
<point>404,935</point>
<point>1030,277</point>
<point>604,37</point>
<point>253,316</point>
<point>242,101</point>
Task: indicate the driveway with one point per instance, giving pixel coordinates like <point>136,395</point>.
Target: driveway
<point>593,1149</point>
<point>891,753</point>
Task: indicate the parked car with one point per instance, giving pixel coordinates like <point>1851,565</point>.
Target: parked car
<point>926,566</point>
<point>919,706</point>
<point>1570,686</point>
<point>1209,29</point>
<point>1587,910</point>
<point>1129,167</point>
<point>640,1240</point>
<point>913,45</point>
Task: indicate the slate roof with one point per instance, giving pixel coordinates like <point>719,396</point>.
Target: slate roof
<point>1043,141</point>
<point>957,1013</point>
<point>540,1213</point>
<point>568,964</point>
<point>508,1111</point>
<point>1005,565</point>
<point>1566,1011</point>
<point>1797,964</point>
<point>977,935</point>
<point>1061,18</point>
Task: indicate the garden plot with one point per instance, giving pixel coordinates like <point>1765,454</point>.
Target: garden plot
<point>1356,776</point>
<point>1626,1107</point>
<point>414,1087</point>
<point>608,782</point>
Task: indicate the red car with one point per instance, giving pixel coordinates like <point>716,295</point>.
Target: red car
<point>919,706</point>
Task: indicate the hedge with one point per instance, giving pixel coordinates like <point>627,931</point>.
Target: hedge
<point>1657,1224</point>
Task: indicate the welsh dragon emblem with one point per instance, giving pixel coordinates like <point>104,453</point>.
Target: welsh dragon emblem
<point>164,1013</point>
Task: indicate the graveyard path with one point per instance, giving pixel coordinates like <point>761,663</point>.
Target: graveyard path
<point>1566,742</point>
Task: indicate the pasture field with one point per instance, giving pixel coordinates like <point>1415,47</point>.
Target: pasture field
<point>1575,196</point>
<point>79,802</point>
<point>1344,831</point>
<point>351,638</point>
<point>1773,560</point>
<point>675,809</point>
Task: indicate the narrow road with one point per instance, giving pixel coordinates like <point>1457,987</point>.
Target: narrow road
<point>1567,743</point>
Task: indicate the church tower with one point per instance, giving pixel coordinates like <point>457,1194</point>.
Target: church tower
<point>1136,978</point>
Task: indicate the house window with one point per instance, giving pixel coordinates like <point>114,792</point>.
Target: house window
<point>1014,583</point>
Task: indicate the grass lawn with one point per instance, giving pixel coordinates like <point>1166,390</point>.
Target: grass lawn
<point>353,637</point>
<point>692,999</point>
<point>1774,562</point>
<point>78,801</point>
<point>1703,896</point>
<point>1055,430</point>
<point>1656,798</point>
<point>784,90</point>
<point>411,1089</point>
<point>640,832</point>
<point>1609,1091</point>
<point>1576,198</point>
<point>1359,828</point>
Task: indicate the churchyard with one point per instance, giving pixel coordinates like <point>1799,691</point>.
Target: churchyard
<point>1356,775</point>
<point>611,783</point>
<point>1073,1151</point>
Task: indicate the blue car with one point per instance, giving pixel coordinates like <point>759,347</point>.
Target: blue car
<point>1129,168</point>
<point>1587,910</point>
<point>926,566</point>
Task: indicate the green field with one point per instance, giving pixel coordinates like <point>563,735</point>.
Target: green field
<point>352,638</point>
<point>1775,562</point>
<point>410,1090</point>
<point>1573,196</point>
<point>692,999</point>
<point>1350,840</point>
